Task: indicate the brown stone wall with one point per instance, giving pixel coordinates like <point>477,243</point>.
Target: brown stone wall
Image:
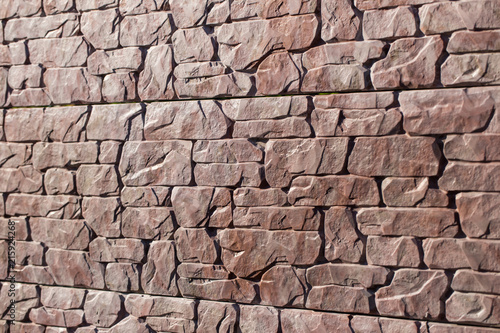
<point>250,166</point>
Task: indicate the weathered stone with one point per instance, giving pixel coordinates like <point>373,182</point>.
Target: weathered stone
<point>35,274</point>
<point>122,277</point>
<point>130,7</point>
<point>413,293</point>
<point>148,223</point>
<point>5,56</point>
<point>18,53</point>
<point>239,49</point>
<point>145,196</point>
<point>70,85</point>
<point>474,41</point>
<point>342,241</point>
<point>335,78</point>
<point>462,253</point>
<point>479,214</point>
<point>254,318</point>
<point>470,147</point>
<point>195,245</point>
<point>346,275</point>
<point>130,324</point>
<point>437,18</point>
<point>26,179</point>
<point>29,253</point>
<point>242,9</point>
<point>234,84</point>
<point>20,327</point>
<point>471,69</point>
<point>218,174</point>
<point>63,234</point>
<point>86,5</point>
<point>253,197</point>
<point>193,70</point>
<point>193,45</point>
<point>23,124</point>
<point>202,271</point>
<point>407,222</point>
<point>473,308</point>
<point>365,122</point>
<point>333,191</point>
<point>166,324</point>
<point>261,249</point>
<point>405,59</point>
<point>339,21</point>
<point>19,9</point>
<point>29,76</point>
<point>3,86</point>
<point>277,74</point>
<point>119,87</point>
<point>102,308</point>
<point>26,298</point>
<point>188,15</point>
<point>56,317</point>
<point>62,298</point>
<point>100,28</point>
<point>145,305</point>
<point>445,111</point>
<point>103,215</point>
<point>115,122</point>
<point>280,128</point>
<point>340,298</point>
<point>156,163</point>
<point>83,273</point>
<point>63,25</point>
<point>401,22</point>
<point>13,155</point>
<point>145,30</point>
<point>469,281</point>
<point>29,97</point>
<point>59,207</point>
<point>404,192</point>
<point>310,157</point>
<point>443,328</point>
<point>117,250</point>
<point>4,255</point>
<point>97,180</point>
<point>435,198</point>
<point>265,108</point>
<point>198,120</point>
<point>65,124</point>
<point>395,156</point>
<point>127,59</point>
<point>362,324</point>
<point>342,54</point>
<point>218,315</point>
<point>390,251</point>
<point>226,151</point>
<point>155,81</point>
<point>283,286</point>
<point>275,218</point>
<point>158,274</point>
<point>58,52</point>
<point>462,176</point>
<point>109,152</point>
<point>20,225</point>
<point>52,7</point>
<point>300,321</point>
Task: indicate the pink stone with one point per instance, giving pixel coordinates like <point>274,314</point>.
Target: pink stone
<point>26,179</point>
<point>20,327</point>
<point>166,324</point>
<point>116,250</point>
<point>130,324</point>
<point>346,275</point>
<point>335,78</point>
<point>35,274</point>
<point>254,318</point>
<point>339,21</point>
<point>360,123</point>
<point>283,286</point>
<point>145,196</point>
<point>401,192</point>
<point>265,108</point>
<point>218,174</point>
<point>401,22</point>
<point>13,155</point>
<point>65,124</point>
<point>23,124</point>
<point>158,274</point>
<point>131,7</point>
<point>18,53</point>
<point>186,15</point>
<point>62,298</point>
<point>20,9</point>
<point>275,218</point>
<point>300,321</point>
<point>71,85</point>
<point>277,74</point>
<point>148,223</point>
<point>100,28</point>
<point>192,45</point>
<point>56,317</point>
<point>479,213</point>
<point>30,97</point>
<point>97,180</point>
<point>390,251</point>
<point>145,30</point>
<point>362,324</point>
<point>342,241</point>
<point>20,225</point>
<point>109,152</point>
<point>60,52</point>
<point>473,41</point>
<point>463,176</point>
<point>29,253</point>
<point>61,206</point>
<point>115,122</point>
<point>279,128</point>
<point>127,59</point>
<point>4,255</point>
<point>473,308</point>
<point>27,297</point>
<point>86,5</point>
<point>83,273</point>
<point>227,151</point>
<point>63,25</point>
<point>471,69</point>
<point>217,314</point>
<point>340,298</point>
<point>103,215</point>
<point>102,308</point>
<point>471,147</point>
<point>52,7</point>
<point>140,305</point>
<point>119,87</point>
<point>254,197</point>
<point>195,245</point>
<point>155,81</point>
<point>234,84</point>
<point>470,281</point>
<point>202,271</point>
<point>25,76</point>
<point>193,70</point>
<point>122,277</point>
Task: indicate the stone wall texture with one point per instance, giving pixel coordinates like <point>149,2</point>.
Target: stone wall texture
<point>274,166</point>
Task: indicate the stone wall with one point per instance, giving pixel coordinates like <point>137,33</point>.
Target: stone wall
<point>250,166</point>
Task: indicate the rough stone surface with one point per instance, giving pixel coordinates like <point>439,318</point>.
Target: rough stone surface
<point>281,128</point>
<point>389,251</point>
<point>300,321</point>
<point>283,286</point>
<point>265,107</point>
<point>61,52</point>
<point>479,214</point>
<point>219,174</point>
<point>122,277</point>
<point>193,45</point>
<point>116,250</point>
<point>459,176</point>
<point>252,197</point>
<point>102,308</point>
<point>63,25</point>
<point>254,318</point>
<point>97,180</point>
<point>460,70</point>
<point>195,245</point>
<point>69,85</point>
<point>473,308</point>
<point>472,41</point>
<point>62,234</point>
<point>62,298</point>
<point>84,272</point>
<point>115,122</point>
<point>342,241</point>
<point>103,215</point>
<point>158,275</point>
<point>339,21</point>
<point>155,81</point>
<point>101,36</point>
<point>274,218</point>
<point>145,30</point>
<point>216,314</point>
<point>404,192</point>
<point>147,223</point>
<point>402,23</point>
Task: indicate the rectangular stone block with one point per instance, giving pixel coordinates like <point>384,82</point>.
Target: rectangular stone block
<point>122,277</point>
<point>346,275</point>
<point>117,250</point>
<point>145,30</point>
<point>401,22</point>
<point>146,305</point>
<point>20,224</point>
<point>472,147</point>
<point>265,107</point>
<point>115,122</point>
<point>342,53</point>
<point>332,78</point>
<point>471,69</point>
<point>254,197</point>
<point>128,59</point>
<point>301,321</point>
<point>364,100</point>
<point>195,245</point>
<point>72,85</point>
<point>57,317</point>
<point>234,290</point>
<point>473,308</point>
<point>227,151</point>
<point>23,124</point>
<point>474,41</point>
<point>103,215</point>
<point>62,234</point>
<point>63,25</point>
<point>29,253</point>
<point>59,52</point>
<point>393,251</point>
<point>470,281</point>
<point>158,274</point>
<point>275,218</point>
<point>25,76</point>
<point>86,5</point>
<point>156,223</point>
<point>25,180</point>
<point>202,271</point>
<point>61,206</point>
<point>13,155</point>
<point>97,180</point>
<point>14,8</point>
<point>265,129</point>
<point>479,213</point>
<point>342,239</point>
<point>464,176</point>
<point>60,155</point>
<point>219,174</point>
<point>62,298</point>
<point>84,271</point>
<point>64,124</point>
<point>145,196</point>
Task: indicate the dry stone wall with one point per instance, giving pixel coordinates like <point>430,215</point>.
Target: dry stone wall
<point>250,166</point>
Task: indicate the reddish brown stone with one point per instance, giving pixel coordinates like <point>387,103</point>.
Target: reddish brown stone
<point>72,85</point>
<point>130,7</point>
<point>275,218</point>
<point>404,192</point>
<point>192,45</point>
<point>102,308</point>
<point>342,241</point>
<point>20,327</point>
<point>194,70</point>
<point>145,305</point>
<point>48,155</point>
<point>223,316</point>
<point>470,147</point>
<point>227,151</point>
<point>391,251</point>
<point>254,197</point>
<point>52,7</point>
<point>300,321</point>
<point>188,15</point>
<point>283,286</point>
<point>83,273</point>
<point>277,74</point>
<point>122,277</point>
<point>4,255</point>
<point>145,30</point>
<point>20,225</point>
<point>407,57</point>
<point>62,298</point>
<point>35,274</point>
<point>25,76</point>
<point>26,179</point>
<point>166,324</point>
<point>335,78</point>
<point>145,196</point>
<point>340,298</point>
<point>115,122</point>
<point>63,25</point>
<point>28,253</point>
<point>202,271</point>
<point>119,87</point>
<point>469,281</point>
<point>59,207</point>
<point>100,28</point>
<point>444,328</point>
<point>18,53</point>
<point>65,124</point>
<point>346,275</point>
<point>97,180</point>
<point>473,308</point>
<point>155,81</point>
<point>29,97</point>
<point>59,181</point>
<point>339,21</point>
<point>234,84</point>
<point>333,191</point>
<point>116,250</point>
<point>195,245</point>
<point>56,317</point>
<point>23,124</point>
<point>364,324</point>
<point>341,54</point>
<point>255,318</point>
<point>13,155</point>
<point>310,157</point>
<point>218,174</point>
<point>119,60</point>
<point>148,223</point>
<point>356,122</point>
<point>265,129</point>
<point>459,70</point>
<point>109,152</point>
<point>434,198</point>
<point>235,290</point>
<point>401,22</point>
<point>20,9</point>
<point>265,107</point>
<point>407,222</point>
<point>158,274</point>
<point>473,41</point>
<point>479,214</point>
<point>130,324</point>
<point>58,52</point>
<point>103,215</point>
<point>27,297</point>
<point>462,176</point>
<point>437,18</point>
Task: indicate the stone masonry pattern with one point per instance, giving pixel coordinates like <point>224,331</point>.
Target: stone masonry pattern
<point>274,166</point>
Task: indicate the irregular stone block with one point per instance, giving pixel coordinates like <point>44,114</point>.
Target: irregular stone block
<point>127,59</point>
<point>103,215</point>
<point>391,251</point>
<point>155,81</point>
<point>434,198</point>
<point>115,122</point>
<point>404,192</point>
<point>3,86</point>
<point>20,225</point>
<point>62,234</point>
<point>254,197</point>
<point>29,253</point>
<point>97,180</point>
<point>188,15</point>
<point>333,191</point>
<point>145,196</point>
<point>218,174</point>
<point>202,271</point>
<point>18,53</point>
<point>283,286</point>
<point>109,152</point>
<point>50,155</point>
<point>401,23</point>
<point>165,324</point>
<point>130,324</point>
<point>199,70</point>
<point>62,298</point>
<point>342,241</point>
<point>349,299</point>
<point>241,9</point>
<point>26,327</point>
<point>262,248</point>
<point>156,163</point>
<point>101,29</point>
<point>390,156</point>
<point>102,308</point>
<point>29,97</point>
<point>145,30</point>
<point>234,84</point>
<point>117,250</point>
<point>192,45</point>
<point>59,207</point>
<point>479,214</point>
<point>405,58</point>
<point>265,108</point>
<point>198,120</point>
<point>145,305</point>
<point>26,298</point>
<point>52,7</point>
<point>122,277</point>
<point>26,179</point>
<point>462,176</point>
<point>279,128</point>
<point>342,54</point>
<point>71,85</point>
<point>195,245</point>
<point>119,87</point>
<point>447,111</point>
<point>469,281</point>
<point>471,69</point>
<point>60,52</point>
<point>83,273</point>
<point>158,274</point>
<point>335,78</point>
<point>362,324</point>
<point>470,147</point>
<point>19,9</point>
<point>56,26</point>
<point>254,318</point>
<point>25,76</point>
<point>56,317</point>
<point>227,151</point>
<point>274,218</point>
<point>64,124</point>
<point>346,275</point>
<point>35,274</point>
<point>13,155</point>
<point>473,308</point>
<point>23,124</point>
<point>148,223</point>
<point>131,7</point>
<point>423,222</point>
<point>300,321</point>
<point>86,5</point>
<point>339,21</point>
<point>277,74</point>
<point>437,18</point>
<point>217,314</point>
<point>474,41</point>
<point>462,253</point>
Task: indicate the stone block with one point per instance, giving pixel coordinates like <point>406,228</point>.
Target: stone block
<point>471,69</point>
<point>97,180</point>
<point>58,207</point>
<point>474,41</point>
<point>404,192</point>
<point>145,196</point>
<point>473,308</point>
<point>25,76</point>
<point>103,215</point>
<point>72,85</point>
<point>128,59</point>
<point>303,321</point>
<point>219,174</point>
<point>13,155</point>
<point>145,30</point>
<point>60,52</point>
<point>158,274</point>
<point>55,26</point>
<point>342,241</point>
<point>339,21</point>
<point>192,45</point>
<point>254,197</point>
<point>470,281</point>
<point>119,87</point>
<point>195,245</point>
<point>401,23</point>
<point>217,314</point>
<point>283,286</point>
<point>23,124</point>
<point>277,74</point>
<point>62,234</point>
<point>123,277</point>
<point>101,28</point>
<point>275,129</point>
<point>254,318</point>
<point>84,272</point>
<point>109,152</point>
<point>115,122</point>
<point>479,213</point>
<point>463,176</point>
<point>265,107</point>
<point>276,218</point>
<point>156,223</point>
<point>62,298</point>
<point>102,308</point>
<point>56,317</point>
<point>333,78</point>
<point>393,251</point>
<point>124,250</point>
<point>155,81</point>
